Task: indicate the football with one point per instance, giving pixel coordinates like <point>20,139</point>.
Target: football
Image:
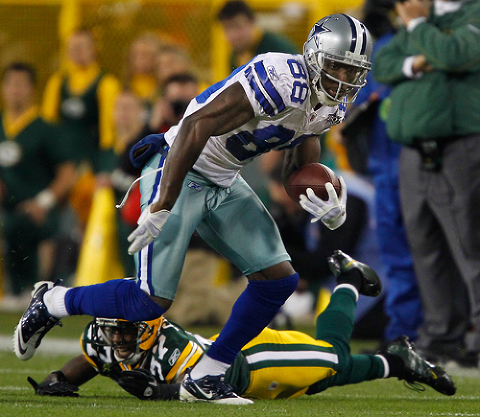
<point>313,176</point>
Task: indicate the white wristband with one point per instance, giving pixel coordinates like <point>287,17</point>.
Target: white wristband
<point>46,199</point>
<point>407,68</point>
<point>415,22</point>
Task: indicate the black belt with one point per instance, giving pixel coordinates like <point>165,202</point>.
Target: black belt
<point>431,150</point>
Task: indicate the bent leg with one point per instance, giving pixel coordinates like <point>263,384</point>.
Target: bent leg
<point>241,229</point>
<point>335,326</point>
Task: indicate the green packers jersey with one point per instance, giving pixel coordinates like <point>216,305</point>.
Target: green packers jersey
<point>172,353</point>
<point>274,365</point>
<point>80,123</point>
<point>29,159</point>
<point>79,118</point>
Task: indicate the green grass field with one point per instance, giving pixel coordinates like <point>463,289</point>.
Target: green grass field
<point>102,397</point>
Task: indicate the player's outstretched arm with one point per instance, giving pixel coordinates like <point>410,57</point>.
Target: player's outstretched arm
<point>229,110</point>
<point>65,382</point>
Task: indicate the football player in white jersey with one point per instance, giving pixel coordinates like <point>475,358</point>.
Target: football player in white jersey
<point>149,359</point>
<point>191,182</point>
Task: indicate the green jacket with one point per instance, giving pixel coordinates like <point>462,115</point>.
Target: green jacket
<point>444,102</point>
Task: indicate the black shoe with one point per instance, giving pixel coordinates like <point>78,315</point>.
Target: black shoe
<point>417,369</point>
<point>366,280</point>
<point>35,322</point>
<point>209,389</point>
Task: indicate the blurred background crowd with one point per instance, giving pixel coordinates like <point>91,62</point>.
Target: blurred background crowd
<point>83,80</point>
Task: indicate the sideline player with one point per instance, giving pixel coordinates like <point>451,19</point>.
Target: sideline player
<point>147,359</point>
<point>275,102</point>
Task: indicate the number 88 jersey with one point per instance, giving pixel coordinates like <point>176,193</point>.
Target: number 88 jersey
<point>277,88</point>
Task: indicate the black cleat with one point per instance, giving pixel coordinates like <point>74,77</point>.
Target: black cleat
<point>343,265</point>
<point>35,322</point>
<point>210,388</point>
<point>417,369</point>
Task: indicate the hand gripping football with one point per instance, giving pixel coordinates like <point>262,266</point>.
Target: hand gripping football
<point>313,176</point>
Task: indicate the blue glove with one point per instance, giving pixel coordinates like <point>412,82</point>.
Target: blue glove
<point>145,148</point>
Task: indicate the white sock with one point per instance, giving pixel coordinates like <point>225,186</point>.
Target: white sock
<point>54,300</point>
<point>208,366</point>
<point>350,287</point>
<point>386,367</point>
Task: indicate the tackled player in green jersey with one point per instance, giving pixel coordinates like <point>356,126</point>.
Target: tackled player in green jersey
<point>149,359</point>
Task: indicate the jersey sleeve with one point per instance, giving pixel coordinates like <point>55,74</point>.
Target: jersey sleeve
<point>274,82</point>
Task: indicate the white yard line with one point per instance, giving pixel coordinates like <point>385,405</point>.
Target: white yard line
<point>50,346</point>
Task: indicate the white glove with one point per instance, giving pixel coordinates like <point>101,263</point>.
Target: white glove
<point>147,230</point>
<point>332,212</point>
